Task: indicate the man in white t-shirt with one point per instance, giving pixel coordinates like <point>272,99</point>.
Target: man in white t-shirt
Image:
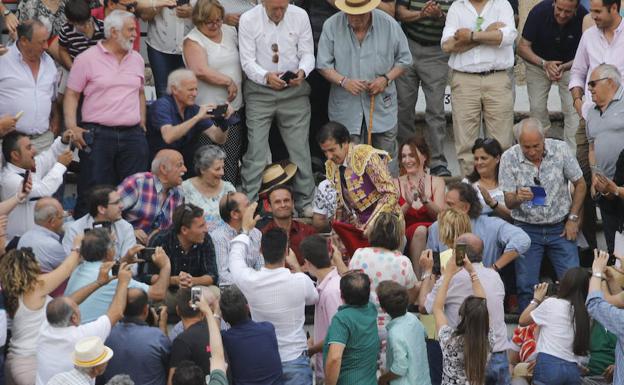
<point>62,328</point>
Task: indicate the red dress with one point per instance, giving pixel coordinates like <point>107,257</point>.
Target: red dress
<point>415,218</point>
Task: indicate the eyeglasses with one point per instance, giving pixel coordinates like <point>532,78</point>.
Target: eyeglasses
<point>214,23</point>
<point>480,21</point>
<point>275,49</point>
<point>592,83</point>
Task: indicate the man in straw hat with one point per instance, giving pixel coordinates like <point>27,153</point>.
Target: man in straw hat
<point>361,63</point>
<point>90,359</point>
<point>359,174</point>
<point>277,54</point>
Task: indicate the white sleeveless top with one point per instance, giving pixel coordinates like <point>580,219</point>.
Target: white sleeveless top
<point>224,58</point>
<point>25,329</point>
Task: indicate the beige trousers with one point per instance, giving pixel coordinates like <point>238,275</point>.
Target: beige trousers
<point>475,98</point>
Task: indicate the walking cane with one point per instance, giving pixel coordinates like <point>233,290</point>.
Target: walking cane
<point>370,125</point>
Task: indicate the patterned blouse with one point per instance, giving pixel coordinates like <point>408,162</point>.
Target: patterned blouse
<point>35,9</point>
<point>453,355</point>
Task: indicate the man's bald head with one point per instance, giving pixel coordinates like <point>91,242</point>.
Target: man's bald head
<point>474,246</point>
<point>168,166</point>
<point>49,214</point>
<point>60,310</point>
<point>137,302</point>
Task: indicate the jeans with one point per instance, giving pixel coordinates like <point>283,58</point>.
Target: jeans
<point>610,211</point>
<point>550,370</point>
<point>162,65</point>
<point>115,153</point>
<point>497,370</point>
<point>434,356</point>
<point>297,371</point>
<point>545,240</point>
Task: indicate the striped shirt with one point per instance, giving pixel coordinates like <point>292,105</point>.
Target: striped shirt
<point>75,41</point>
<point>73,377</point>
<point>426,31</point>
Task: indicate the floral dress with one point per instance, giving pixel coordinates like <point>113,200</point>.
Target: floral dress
<point>35,9</point>
<point>453,355</point>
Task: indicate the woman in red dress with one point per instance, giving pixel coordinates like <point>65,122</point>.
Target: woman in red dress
<point>422,194</point>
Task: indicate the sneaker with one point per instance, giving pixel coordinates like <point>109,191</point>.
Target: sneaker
<point>440,171</point>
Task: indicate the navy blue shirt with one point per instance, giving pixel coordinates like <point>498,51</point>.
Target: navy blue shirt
<point>548,40</point>
<point>164,111</point>
<point>141,351</point>
<point>252,353</point>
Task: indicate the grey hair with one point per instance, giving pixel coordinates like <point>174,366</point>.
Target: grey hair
<point>205,157</point>
<point>27,27</point>
<point>120,379</point>
<point>115,20</point>
<point>59,312</point>
<point>176,77</point>
<point>610,72</point>
<point>529,124</point>
<point>46,211</point>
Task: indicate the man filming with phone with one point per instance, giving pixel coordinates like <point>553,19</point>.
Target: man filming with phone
<point>174,120</point>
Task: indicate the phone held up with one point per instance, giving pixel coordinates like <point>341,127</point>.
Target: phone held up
<point>460,253</point>
<point>196,293</point>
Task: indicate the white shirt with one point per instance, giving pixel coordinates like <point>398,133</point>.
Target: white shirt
<point>21,92</point>
<point>556,335</point>
<point>166,31</point>
<point>293,35</point>
<point>45,181</point>
<point>56,344</point>
<point>275,295</point>
<point>483,57</point>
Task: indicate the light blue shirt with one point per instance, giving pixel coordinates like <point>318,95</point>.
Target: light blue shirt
<point>612,318</point>
<point>97,303</point>
<point>124,234</point>
<point>498,236</point>
<point>46,245</point>
<point>383,48</point>
<point>406,354</point>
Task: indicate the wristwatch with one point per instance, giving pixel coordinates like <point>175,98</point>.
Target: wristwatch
<point>6,12</point>
<point>387,79</point>
<point>573,217</point>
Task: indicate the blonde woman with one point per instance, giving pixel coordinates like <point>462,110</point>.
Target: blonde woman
<point>452,223</point>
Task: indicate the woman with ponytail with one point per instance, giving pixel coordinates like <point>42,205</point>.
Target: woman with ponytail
<point>564,329</point>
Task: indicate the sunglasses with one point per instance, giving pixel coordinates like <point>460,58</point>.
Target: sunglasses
<point>592,83</point>
<point>480,21</point>
<point>214,23</point>
<point>275,49</point>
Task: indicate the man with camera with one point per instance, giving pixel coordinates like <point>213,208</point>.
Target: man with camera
<point>277,54</point>
<point>98,248</point>
<point>175,121</point>
<point>191,251</point>
<point>104,207</point>
<point>141,350</point>
<point>62,327</point>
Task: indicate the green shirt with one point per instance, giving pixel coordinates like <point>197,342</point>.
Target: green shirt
<point>601,349</point>
<point>426,31</point>
<point>355,327</point>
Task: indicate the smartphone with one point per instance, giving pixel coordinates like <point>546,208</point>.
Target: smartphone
<point>219,111</point>
<point>115,269</point>
<point>26,176</point>
<point>460,253</point>
<point>147,254</point>
<point>19,115</point>
<point>288,76</point>
<point>196,293</point>
<point>182,2</point>
<point>437,268</point>
<point>102,224</point>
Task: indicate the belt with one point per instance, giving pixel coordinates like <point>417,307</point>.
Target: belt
<point>484,73</point>
<point>115,128</point>
<point>516,222</point>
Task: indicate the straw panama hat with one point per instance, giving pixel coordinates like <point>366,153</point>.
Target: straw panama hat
<point>276,174</point>
<point>356,7</point>
<point>90,352</point>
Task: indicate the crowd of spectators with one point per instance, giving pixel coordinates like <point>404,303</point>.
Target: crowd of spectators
<point>272,215</point>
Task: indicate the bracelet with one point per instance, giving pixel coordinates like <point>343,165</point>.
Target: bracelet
<point>343,81</point>
<point>425,276</point>
<point>536,300</point>
<point>496,268</point>
<point>471,36</point>
<point>75,249</point>
<point>474,276</point>
<point>19,200</point>
<point>494,206</point>
<point>598,275</point>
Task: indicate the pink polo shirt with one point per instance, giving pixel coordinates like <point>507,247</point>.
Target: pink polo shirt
<point>328,304</point>
<point>110,88</point>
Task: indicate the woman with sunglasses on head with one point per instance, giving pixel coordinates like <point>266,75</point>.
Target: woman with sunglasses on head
<point>484,178</point>
<point>421,194</point>
<point>207,188</point>
<point>564,329</point>
<point>210,50</point>
<point>465,349</point>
